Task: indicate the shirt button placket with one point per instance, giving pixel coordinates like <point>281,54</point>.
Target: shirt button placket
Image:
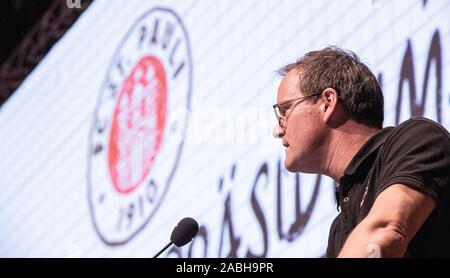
<point>345,211</point>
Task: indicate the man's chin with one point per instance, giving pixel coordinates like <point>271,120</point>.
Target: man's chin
<point>297,167</point>
<point>291,167</point>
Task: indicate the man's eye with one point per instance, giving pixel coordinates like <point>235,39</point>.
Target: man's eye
<point>283,110</point>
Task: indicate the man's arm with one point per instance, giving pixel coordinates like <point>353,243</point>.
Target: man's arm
<point>396,216</point>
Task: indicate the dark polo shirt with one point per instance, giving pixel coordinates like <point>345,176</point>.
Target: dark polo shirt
<point>416,153</point>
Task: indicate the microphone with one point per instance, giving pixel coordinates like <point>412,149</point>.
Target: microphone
<point>183,233</point>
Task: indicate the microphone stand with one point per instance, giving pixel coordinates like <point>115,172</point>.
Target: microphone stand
<point>159,253</point>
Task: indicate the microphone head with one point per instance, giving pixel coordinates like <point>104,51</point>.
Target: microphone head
<point>184,232</point>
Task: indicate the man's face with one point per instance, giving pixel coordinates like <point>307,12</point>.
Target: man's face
<point>302,133</point>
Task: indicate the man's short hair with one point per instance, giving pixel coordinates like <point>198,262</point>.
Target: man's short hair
<point>343,71</point>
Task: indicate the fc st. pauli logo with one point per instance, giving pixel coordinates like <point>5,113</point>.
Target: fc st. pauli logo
<point>138,125</point>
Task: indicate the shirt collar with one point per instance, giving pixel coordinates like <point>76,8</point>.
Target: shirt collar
<point>365,151</point>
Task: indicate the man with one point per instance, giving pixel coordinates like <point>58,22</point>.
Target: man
<point>394,183</point>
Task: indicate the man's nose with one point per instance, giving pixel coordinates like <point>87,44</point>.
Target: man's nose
<point>278,132</point>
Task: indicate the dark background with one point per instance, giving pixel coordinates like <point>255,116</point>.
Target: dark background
<point>17,17</point>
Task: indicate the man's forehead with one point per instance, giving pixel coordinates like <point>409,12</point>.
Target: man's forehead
<point>290,84</point>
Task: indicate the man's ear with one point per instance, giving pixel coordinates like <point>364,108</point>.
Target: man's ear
<point>329,103</point>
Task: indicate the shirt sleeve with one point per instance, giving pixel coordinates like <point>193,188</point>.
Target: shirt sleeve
<point>417,154</point>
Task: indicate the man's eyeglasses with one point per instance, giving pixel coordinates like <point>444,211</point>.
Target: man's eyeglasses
<point>280,108</point>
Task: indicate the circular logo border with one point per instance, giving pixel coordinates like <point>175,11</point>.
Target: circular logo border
<point>93,123</point>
